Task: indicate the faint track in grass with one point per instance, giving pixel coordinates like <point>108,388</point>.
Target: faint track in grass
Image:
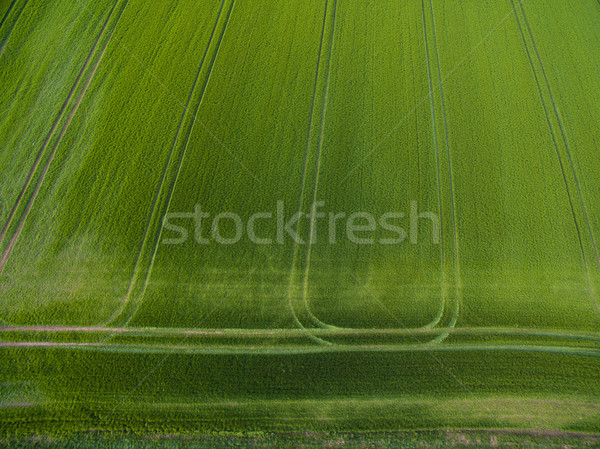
<point>319,323</point>
<point>316,320</point>
<point>14,25</point>
<point>456,261</point>
<point>148,332</point>
<point>458,291</point>
<point>156,211</point>
<point>566,144</point>
<point>187,139</point>
<point>7,253</point>
<point>54,127</point>
<point>557,149</point>
<point>8,11</point>
<point>291,287</point>
<point>438,174</point>
<point>313,349</point>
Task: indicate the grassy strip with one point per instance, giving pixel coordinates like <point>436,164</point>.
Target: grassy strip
<point>268,440</point>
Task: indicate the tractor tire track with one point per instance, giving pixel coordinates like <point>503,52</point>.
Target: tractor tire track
<point>14,25</point>
<point>156,210</point>
<point>153,332</point>
<point>312,317</point>
<point>57,121</point>
<point>15,237</point>
<point>444,293</point>
<point>564,138</point>
<point>558,155</point>
<point>458,291</point>
<point>456,261</point>
<point>8,11</point>
<point>182,158</point>
<point>237,350</point>
<point>316,320</point>
<point>292,276</point>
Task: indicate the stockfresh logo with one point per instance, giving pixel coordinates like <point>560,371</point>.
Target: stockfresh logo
<point>278,228</point>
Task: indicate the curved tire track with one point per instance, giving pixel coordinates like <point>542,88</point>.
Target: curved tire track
<point>458,291</point>
<point>291,287</point>
<point>444,293</point>
<point>156,211</point>
<point>313,317</point>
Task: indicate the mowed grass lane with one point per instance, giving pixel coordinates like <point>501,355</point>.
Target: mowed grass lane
<point>75,255</point>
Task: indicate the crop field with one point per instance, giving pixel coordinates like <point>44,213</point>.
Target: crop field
<point>299,216</point>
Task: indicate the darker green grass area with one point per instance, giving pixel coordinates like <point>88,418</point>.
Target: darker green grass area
<point>308,440</point>
<point>66,391</point>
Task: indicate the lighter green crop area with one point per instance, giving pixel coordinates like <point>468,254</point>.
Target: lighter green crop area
<point>115,114</point>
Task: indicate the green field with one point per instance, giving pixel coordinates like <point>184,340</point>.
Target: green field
<point>460,137</point>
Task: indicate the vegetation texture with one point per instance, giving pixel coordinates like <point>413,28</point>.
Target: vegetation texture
<point>116,114</point>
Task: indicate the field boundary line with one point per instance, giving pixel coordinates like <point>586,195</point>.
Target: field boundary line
<point>55,126</point>
<point>557,153</point>
<point>153,217</point>
<point>15,237</point>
